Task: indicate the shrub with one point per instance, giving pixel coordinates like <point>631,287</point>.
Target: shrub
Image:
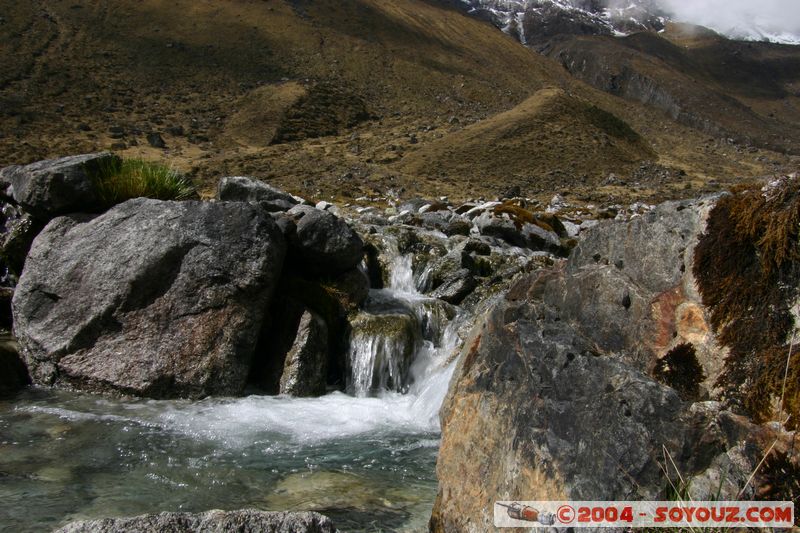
<point>121,180</point>
<point>747,265</point>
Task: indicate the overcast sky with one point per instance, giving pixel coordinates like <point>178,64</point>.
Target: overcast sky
<point>778,16</point>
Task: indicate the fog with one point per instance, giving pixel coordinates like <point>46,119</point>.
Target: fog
<point>739,18</point>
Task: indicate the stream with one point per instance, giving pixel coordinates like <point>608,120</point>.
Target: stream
<point>365,458</point>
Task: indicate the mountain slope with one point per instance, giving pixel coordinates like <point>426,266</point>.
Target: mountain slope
<point>747,91</point>
<point>550,134</point>
<point>324,98</point>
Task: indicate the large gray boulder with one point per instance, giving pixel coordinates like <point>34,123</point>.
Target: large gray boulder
<point>555,395</point>
<point>323,242</point>
<point>56,186</point>
<point>245,521</point>
<point>243,189</point>
<point>152,298</point>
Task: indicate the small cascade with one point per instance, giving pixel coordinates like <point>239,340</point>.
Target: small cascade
<point>382,347</point>
<point>402,340</point>
<point>401,274</point>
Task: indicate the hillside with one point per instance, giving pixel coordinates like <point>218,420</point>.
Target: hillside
<point>747,91</point>
<point>333,100</point>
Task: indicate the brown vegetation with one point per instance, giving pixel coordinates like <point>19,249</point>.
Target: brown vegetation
<point>747,266</point>
<point>681,370</point>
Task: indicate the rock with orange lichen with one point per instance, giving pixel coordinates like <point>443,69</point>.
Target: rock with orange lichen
<point>591,380</point>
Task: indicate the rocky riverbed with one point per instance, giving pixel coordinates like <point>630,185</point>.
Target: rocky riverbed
<point>257,351</point>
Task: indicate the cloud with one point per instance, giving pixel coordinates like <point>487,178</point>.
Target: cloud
<point>739,18</point>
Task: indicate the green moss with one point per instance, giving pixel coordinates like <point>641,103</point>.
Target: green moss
<point>747,265</point>
<point>121,180</point>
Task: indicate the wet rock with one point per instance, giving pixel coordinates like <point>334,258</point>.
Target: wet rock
<point>554,396</point>
<point>324,243</point>
<point>152,298</point>
<point>372,260</point>
<point>457,226</point>
<point>243,189</point>
<point>245,521</point>
<point>13,373</point>
<point>17,231</point>
<point>447,268</point>
<point>435,220</point>
<point>305,369</point>
<point>56,186</point>
<point>456,288</point>
<point>474,246</point>
<point>381,349</point>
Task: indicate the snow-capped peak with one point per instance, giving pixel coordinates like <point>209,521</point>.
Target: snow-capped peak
<point>532,20</point>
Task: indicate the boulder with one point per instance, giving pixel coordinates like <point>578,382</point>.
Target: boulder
<point>446,268</point>
<point>152,298</point>
<point>17,231</point>
<point>323,243</point>
<point>243,189</point>
<point>54,187</point>
<point>381,348</point>
<point>305,370</point>
<point>245,521</point>
<point>458,226</point>
<point>554,396</point>
<point>351,288</point>
<point>435,220</point>
<point>521,234</point>
<point>456,288</point>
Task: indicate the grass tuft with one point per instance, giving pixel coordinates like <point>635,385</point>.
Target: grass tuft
<point>122,180</point>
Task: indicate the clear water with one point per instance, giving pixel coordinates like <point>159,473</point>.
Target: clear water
<point>367,462</point>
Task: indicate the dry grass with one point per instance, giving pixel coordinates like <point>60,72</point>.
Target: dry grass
<point>748,270</point>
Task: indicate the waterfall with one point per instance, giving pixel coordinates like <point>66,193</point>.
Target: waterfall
<point>402,340</point>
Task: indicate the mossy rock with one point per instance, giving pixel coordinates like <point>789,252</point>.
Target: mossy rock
<point>747,265</point>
